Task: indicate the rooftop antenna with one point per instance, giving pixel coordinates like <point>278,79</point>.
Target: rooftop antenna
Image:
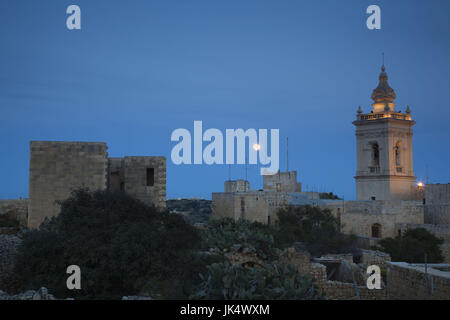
<point>245,171</point>
<point>383,58</point>
<point>287,154</point>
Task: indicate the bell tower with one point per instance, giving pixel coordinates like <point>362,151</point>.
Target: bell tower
<point>384,148</point>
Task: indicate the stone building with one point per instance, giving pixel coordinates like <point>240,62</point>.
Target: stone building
<point>282,182</point>
<point>239,202</point>
<point>385,182</point>
<point>437,204</point>
<point>375,219</point>
<point>142,177</point>
<point>237,186</point>
<point>384,148</point>
<point>57,168</point>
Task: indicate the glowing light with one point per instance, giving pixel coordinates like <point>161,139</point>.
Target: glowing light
<point>420,184</point>
<point>256,147</point>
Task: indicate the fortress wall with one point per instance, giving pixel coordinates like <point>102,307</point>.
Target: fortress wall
<point>145,179</point>
<point>358,217</point>
<point>57,168</point>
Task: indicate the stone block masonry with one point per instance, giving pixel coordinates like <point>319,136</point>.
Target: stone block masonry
<point>370,257</point>
<point>361,217</point>
<point>415,282</point>
<point>334,290</point>
<point>57,168</point>
<point>437,204</point>
<point>145,179</point>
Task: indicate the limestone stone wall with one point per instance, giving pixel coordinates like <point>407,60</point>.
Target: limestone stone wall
<point>437,193</point>
<point>56,168</point>
<point>318,272</point>
<point>341,256</point>
<point>378,258</point>
<point>333,289</point>
<point>384,179</point>
<point>301,260</point>
<point>437,204</point>
<point>355,217</point>
<point>347,291</point>
<point>437,214</point>
<point>15,210</point>
<point>259,206</point>
<point>242,205</point>
<point>282,182</point>
<point>276,201</point>
<point>116,179</point>
<point>253,207</point>
<point>223,205</point>
<point>236,186</point>
<point>358,217</point>
<point>411,282</point>
<point>336,290</point>
<point>145,179</point>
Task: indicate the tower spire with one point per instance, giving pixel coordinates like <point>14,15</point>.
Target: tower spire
<point>383,93</point>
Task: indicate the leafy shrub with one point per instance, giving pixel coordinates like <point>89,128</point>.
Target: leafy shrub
<point>9,222</point>
<point>412,246</point>
<point>122,246</point>
<point>330,195</point>
<point>273,282</point>
<point>227,234</point>
<point>315,227</point>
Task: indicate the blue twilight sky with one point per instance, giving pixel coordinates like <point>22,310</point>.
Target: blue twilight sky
<point>140,69</point>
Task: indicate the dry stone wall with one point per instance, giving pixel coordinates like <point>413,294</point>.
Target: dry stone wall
<point>378,258</point>
<point>414,282</point>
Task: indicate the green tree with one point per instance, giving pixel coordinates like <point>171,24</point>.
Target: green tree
<point>122,246</point>
<point>330,195</point>
<point>317,228</point>
<point>412,246</point>
<point>224,281</point>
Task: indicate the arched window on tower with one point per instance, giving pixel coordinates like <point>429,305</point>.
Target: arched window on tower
<point>375,165</point>
<point>397,156</point>
<point>376,230</point>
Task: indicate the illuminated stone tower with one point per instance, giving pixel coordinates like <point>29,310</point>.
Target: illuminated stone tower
<point>384,148</point>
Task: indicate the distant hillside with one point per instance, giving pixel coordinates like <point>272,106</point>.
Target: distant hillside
<point>195,210</point>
